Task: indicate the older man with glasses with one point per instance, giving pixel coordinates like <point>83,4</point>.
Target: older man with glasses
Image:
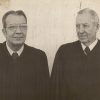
<point>24,71</point>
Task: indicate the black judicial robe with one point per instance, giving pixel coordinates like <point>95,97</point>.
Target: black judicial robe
<point>27,78</point>
<point>76,76</point>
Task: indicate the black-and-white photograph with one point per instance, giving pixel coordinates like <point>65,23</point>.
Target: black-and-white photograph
<point>49,50</point>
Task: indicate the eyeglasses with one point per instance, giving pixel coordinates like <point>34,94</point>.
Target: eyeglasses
<point>22,27</point>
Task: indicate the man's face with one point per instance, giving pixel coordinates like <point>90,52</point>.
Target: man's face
<point>15,30</point>
<point>86,28</point>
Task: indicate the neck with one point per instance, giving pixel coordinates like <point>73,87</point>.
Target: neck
<point>15,47</point>
<point>89,43</point>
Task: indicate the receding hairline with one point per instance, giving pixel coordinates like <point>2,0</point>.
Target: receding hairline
<point>12,12</point>
<point>92,13</point>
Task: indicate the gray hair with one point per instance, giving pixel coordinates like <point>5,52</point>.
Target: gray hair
<point>93,14</point>
<point>18,12</point>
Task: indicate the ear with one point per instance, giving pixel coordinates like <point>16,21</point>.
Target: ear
<point>4,31</point>
<point>98,26</point>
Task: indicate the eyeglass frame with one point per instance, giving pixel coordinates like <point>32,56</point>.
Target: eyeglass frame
<point>13,28</point>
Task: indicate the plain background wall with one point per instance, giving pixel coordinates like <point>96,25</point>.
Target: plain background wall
<point>51,23</point>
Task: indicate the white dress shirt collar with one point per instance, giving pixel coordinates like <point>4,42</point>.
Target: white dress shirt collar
<point>90,46</point>
<point>11,51</point>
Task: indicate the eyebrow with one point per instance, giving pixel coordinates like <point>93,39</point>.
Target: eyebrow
<point>81,23</point>
<point>19,24</point>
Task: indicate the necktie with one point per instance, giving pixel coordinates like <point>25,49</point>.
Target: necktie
<point>15,56</point>
<point>87,50</point>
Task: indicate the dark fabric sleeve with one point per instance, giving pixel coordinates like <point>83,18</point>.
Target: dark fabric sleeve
<point>45,79</point>
<point>56,76</point>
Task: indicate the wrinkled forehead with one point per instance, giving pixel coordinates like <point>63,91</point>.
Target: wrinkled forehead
<point>15,19</point>
<point>85,18</point>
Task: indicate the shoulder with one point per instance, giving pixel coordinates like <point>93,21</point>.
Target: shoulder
<point>98,41</point>
<point>2,46</point>
<point>97,46</point>
<point>34,51</point>
<point>67,49</point>
<point>36,56</point>
<point>68,46</point>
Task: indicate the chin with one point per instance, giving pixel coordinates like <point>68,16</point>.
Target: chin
<point>83,39</point>
<point>18,43</point>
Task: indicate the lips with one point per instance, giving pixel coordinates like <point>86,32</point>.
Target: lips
<point>83,36</point>
<point>18,37</point>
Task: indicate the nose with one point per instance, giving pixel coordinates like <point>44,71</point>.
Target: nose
<point>81,29</point>
<point>18,30</point>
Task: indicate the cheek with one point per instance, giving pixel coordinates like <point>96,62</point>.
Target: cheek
<point>25,33</point>
<point>77,31</point>
<point>9,34</point>
<point>92,32</point>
